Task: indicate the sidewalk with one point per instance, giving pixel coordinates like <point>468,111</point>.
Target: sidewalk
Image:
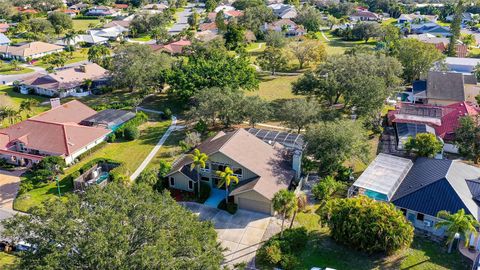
<point>154,151</point>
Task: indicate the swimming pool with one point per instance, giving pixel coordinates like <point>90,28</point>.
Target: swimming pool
<point>103,176</point>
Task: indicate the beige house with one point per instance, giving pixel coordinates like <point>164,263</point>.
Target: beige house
<point>446,88</point>
<point>33,50</point>
<point>262,168</point>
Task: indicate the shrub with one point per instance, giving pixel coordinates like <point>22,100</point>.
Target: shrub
<point>75,175</point>
<point>131,133</point>
<point>326,188</point>
<point>167,114</point>
<point>201,127</point>
<point>296,238</point>
<point>229,207</point>
<point>289,262</point>
<point>25,186</point>
<point>92,150</point>
<point>205,190</point>
<point>270,253</point>
<point>367,225</point>
<point>111,138</point>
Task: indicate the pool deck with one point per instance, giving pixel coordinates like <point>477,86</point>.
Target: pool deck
<point>216,196</point>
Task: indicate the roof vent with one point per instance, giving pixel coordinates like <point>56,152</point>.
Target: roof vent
<point>54,102</point>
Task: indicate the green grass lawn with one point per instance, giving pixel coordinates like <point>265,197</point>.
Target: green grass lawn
<point>76,56</point>
<point>389,21</point>
<point>130,153</point>
<point>275,88</point>
<point>322,251</point>
<point>336,45</point>
<point>143,38</point>
<point>12,99</point>
<point>83,25</point>
<point>7,260</point>
<point>7,69</point>
<point>256,47</point>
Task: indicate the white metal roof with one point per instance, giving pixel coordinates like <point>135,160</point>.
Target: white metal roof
<point>384,174</point>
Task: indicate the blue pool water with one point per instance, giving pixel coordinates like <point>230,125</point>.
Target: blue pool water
<point>375,195</point>
<point>103,176</point>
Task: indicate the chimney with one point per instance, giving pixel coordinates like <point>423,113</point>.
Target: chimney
<point>297,163</point>
<point>55,102</point>
<point>83,68</point>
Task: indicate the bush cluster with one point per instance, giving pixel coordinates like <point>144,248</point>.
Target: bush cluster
<point>129,131</point>
<point>283,251</point>
<point>367,225</point>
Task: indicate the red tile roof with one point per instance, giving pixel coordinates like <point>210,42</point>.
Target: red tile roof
<point>122,6</point>
<point>56,131</point>
<point>446,125</point>
<point>177,47</point>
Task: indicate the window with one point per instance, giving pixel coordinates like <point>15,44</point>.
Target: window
<point>404,211</point>
<point>190,184</point>
<point>172,181</point>
<point>238,172</point>
<point>218,167</point>
<point>420,216</point>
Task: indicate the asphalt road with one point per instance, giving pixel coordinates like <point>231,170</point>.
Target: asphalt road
<point>182,21</point>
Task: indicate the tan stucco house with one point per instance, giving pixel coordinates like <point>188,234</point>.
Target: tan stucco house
<point>262,168</point>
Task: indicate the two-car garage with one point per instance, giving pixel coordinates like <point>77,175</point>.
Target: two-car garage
<point>252,201</point>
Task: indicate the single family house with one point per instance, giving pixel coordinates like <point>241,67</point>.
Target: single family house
<point>32,50</point>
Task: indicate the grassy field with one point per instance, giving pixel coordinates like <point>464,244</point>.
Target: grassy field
<point>7,69</point>
<point>7,260</point>
<point>322,251</point>
<point>335,45</point>
<point>129,153</point>
<point>76,56</point>
<point>12,99</point>
<point>83,25</point>
<point>143,38</point>
<point>275,88</point>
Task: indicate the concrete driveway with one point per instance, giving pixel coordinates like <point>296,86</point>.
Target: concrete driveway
<point>240,234</point>
<point>9,184</point>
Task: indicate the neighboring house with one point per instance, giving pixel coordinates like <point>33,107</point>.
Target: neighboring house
<point>56,132</point>
<point>112,33</point>
<point>154,8</point>
<point>430,28</point>
<point>415,18</point>
<point>121,6</point>
<point>441,43</point>
<point>173,48</point>
<point>206,35</point>
<point>4,40</point>
<point>233,14</point>
<point>122,23</point>
<point>262,168</point>
<point>89,39</point>
<point>102,11</point>
<point>79,6</point>
<point>422,188</point>
<point>224,8</point>
<point>364,15</point>
<point>70,12</point>
<point>211,26</point>
<point>284,11</point>
<point>286,25</point>
<point>26,10</point>
<point>445,88</point>
<point>410,119</point>
<point>33,50</point>
<point>65,82</point>
<point>466,17</point>
<point>462,65</point>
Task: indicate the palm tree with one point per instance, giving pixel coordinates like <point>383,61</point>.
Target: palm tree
<point>199,161</point>
<point>226,178</point>
<point>15,64</point>
<point>301,201</point>
<point>88,84</point>
<point>27,104</point>
<point>457,223</point>
<point>284,202</point>
<point>69,38</point>
<point>97,53</point>
<point>10,114</point>
<point>469,40</point>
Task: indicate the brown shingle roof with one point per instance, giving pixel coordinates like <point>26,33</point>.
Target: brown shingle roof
<point>31,48</point>
<point>266,161</point>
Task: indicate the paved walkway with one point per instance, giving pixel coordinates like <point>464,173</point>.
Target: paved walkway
<point>154,151</point>
<point>324,36</point>
<point>9,185</point>
<point>216,196</point>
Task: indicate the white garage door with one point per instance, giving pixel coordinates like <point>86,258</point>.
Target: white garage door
<point>253,205</point>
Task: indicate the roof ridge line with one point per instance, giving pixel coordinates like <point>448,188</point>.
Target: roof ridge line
<point>65,136</point>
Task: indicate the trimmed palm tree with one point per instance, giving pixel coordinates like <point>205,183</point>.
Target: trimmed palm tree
<point>15,64</point>
<point>302,202</point>
<point>199,160</point>
<point>226,178</point>
<point>97,53</point>
<point>460,223</point>
<point>69,37</point>
<point>27,104</point>
<point>284,202</point>
<point>88,84</point>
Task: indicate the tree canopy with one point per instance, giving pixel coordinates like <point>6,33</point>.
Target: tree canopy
<point>467,138</point>
<point>332,143</point>
<point>363,81</point>
<point>416,57</point>
<point>116,227</point>
<point>212,67</point>
<point>424,145</point>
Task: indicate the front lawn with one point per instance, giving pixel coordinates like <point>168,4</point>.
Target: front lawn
<point>130,153</point>
<point>7,69</point>
<point>76,56</point>
<point>335,45</point>
<point>7,260</point>
<point>12,99</point>
<point>275,88</point>
<point>143,38</point>
<point>83,25</point>
<point>322,251</point>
